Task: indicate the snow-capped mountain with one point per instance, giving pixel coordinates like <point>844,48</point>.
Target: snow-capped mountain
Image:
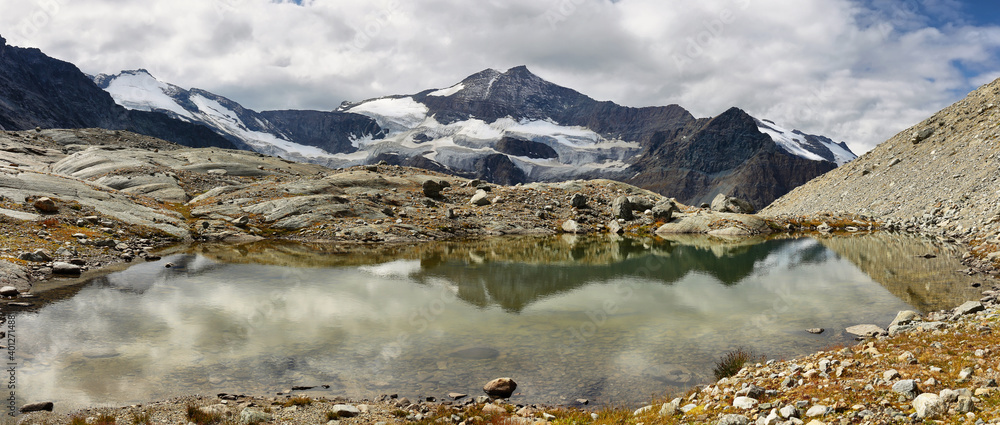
<point>514,127</point>
<point>139,90</point>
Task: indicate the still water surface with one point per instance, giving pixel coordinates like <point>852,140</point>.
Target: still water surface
<point>608,319</point>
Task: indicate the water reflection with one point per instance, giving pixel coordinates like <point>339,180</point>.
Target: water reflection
<point>609,319</point>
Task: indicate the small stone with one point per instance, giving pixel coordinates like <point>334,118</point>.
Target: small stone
<point>865,330</point>
<point>578,201</point>
<point>642,410</point>
<point>817,410</point>
<point>253,416</point>
<point>965,404</point>
<point>46,205</point>
<point>788,412</point>
<point>928,405</point>
<point>457,396</point>
<point>571,226</point>
<point>492,409</point>
<point>500,388</point>
<point>733,420</point>
<point>583,401</point>
<point>671,408</point>
<point>890,375</point>
<point>450,214</point>
<point>345,411</point>
<point>480,198</point>
<point>9,291</point>
<point>615,228</point>
<point>37,407</point>
<point>745,403</point>
<point>816,331</point>
<point>965,373</point>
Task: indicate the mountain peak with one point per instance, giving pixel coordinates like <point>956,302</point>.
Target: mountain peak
<point>3,41</point>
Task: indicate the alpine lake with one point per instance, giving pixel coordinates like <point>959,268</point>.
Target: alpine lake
<point>609,319</point>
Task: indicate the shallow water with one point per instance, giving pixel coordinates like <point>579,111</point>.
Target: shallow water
<point>608,319</point>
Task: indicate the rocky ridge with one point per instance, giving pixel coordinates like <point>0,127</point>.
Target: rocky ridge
<point>939,177</point>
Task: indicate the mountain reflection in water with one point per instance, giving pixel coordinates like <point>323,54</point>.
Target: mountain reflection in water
<point>605,318</point>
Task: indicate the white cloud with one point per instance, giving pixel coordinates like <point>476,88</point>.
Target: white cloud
<point>856,70</point>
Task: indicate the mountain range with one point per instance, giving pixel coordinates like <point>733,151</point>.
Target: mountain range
<point>505,127</point>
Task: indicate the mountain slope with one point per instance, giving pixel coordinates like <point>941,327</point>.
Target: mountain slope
<point>308,136</point>
<point>39,91</point>
<point>551,133</point>
<point>514,127</point>
<point>941,175</point>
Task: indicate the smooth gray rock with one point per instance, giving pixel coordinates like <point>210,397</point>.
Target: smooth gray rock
<point>571,226</point>
<point>723,203</point>
<point>745,403</point>
<point>253,416</point>
<point>345,410</point>
<point>481,198</point>
<point>817,410</point>
<point>733,420</point>
<point>66,269</point>
<point>615,228</point>
<point>969,307</point>
<point>865,330</point>
<point>789,412</point>
<point>905,317</point>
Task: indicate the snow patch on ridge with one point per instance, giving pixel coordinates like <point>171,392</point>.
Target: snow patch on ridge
<point>225,118</point>
<point>795,143</point>
<point>448,91</point>
<point>394,114</point>
<point>143,92</point>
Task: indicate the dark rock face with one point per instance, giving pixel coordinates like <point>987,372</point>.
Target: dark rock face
<point>329,131</point>
<point>499,169</point>
<point>722,154</point>
<point>39,91</point>
<point>520,147</point>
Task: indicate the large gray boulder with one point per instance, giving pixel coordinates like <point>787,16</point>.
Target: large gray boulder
<point>664,210</point>
<point>500,388</point>
<point>622,208</point>
<point>723,203</point>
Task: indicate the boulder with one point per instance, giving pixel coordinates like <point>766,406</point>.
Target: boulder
<point>432,189</point>
<point>640,203</point>
<point>66,269</point>
<point>905,317</point>
<point>615,228</point>
<point>492,409</point>
<point>571,226</point>
<point>672,408</point>
<point>500,388</point>
<point>37,407</point>
<point>36,256</point>
<point>969,307</point>
<point>46,205</point>
<point>745,403</point>
<point>664,210</point>
<point>345,411</point>
<point>723,203</point>
<point>928,405</point>
<point>817,410</point>
<point>907,388</point>
<point>481,198</point>
<point>622,208</point>
<point>578,201</point>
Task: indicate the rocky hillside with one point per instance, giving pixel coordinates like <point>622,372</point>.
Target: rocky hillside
<point>39,91</point>
<point>940,176</point>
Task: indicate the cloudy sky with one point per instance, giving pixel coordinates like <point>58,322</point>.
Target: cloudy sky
<point>856,70</point>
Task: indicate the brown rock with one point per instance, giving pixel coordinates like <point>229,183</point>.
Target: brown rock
<point>500,388</point>
<point>46,205</point>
